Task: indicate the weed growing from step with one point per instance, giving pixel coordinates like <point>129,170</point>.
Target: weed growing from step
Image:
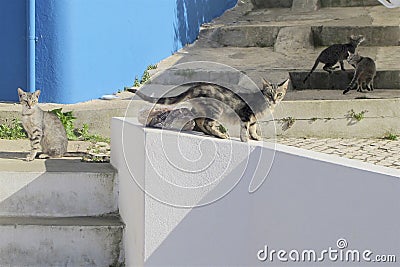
<point>390,136</point>
<point>67,119</point>
<point>12,130</point>
<point>287,123</point>
<point>357,116</point>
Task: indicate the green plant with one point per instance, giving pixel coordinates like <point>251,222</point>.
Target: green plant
<point>152,67</point>
<point>145,77</point>
<point>390,136</point>
<point>288,122</point>
<point>67,119</point>
<point>12,130</point>
<point>84,135</point>
<point>357,116</point>
<point>136,83</point>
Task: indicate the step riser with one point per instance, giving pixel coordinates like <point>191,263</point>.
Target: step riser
<point>265,36</point>
<point>323,3</point>
<point>341,79</point>
<point>389,79</point>
<point>59,245</point>
<point>57,194</point>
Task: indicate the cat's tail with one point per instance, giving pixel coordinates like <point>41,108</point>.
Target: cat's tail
<point>353,81</point>
<point>165,100</point>
<point>311,71</point>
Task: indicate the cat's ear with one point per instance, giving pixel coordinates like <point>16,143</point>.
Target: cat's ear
<point>265,83</point>
<point>37,93</point>
<point>20,92</point>
<point>284,85</point>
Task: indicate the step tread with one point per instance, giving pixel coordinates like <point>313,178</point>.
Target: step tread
<point>106,221</point>
<point>338,16</point>
<point>14,162</point>
<point>387,58</point>
<point>323,94</point>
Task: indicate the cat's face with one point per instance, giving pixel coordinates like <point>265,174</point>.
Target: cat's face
<point>28,100</point>
<point>275,92</point>
<point>353,59</point>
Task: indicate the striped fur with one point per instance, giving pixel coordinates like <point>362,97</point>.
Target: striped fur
<point>209,101</point>
<point>365,71</point>
<point>44,129</point>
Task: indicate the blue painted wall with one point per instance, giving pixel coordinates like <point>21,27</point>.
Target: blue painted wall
<point>13,49</point>
<point>89,48</point>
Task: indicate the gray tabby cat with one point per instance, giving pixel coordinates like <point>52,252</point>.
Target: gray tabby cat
<point>336,53</point>
<point>246,105</point>
<point>365,72</point>
<point>43,128</point>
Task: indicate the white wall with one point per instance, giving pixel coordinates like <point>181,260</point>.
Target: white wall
<point>308,200</point>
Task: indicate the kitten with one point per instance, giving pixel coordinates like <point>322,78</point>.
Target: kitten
<point>43,128</point>
<point>336,53</point>
<point>206,99</point>
<point>365,71</point>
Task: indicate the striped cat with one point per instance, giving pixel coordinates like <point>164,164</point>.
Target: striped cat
<point>365,71</point>
<point>44,129</point>
<point>208,100</point>
<point>336,53</point>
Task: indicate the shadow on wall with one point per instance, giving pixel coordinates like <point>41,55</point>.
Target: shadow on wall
<point>191,14</point>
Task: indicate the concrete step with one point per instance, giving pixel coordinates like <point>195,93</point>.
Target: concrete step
<point>384,79</point>
<point>262,28</point>
<point>323,3</point>
<point>264,35</point>
<point>55,187</point>
<point>78,241</point>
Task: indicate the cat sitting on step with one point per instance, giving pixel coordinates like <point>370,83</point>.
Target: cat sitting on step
<point>365,71</point>
<point>333,54</point>
<point>44,129</point>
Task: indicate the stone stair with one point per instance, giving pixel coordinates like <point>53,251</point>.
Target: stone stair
<point>58,212</point>
<point>281,39</point>
<point>277,39</point>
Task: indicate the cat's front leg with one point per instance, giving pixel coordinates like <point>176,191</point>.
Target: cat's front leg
<point>35,139</point>
<point>244,131</point>
<point>342,65</point>
<point>253,131</point>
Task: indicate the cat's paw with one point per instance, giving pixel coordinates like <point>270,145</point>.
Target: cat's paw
<point>256,137</point>
<point>44,156</point>
<point>29,158</point>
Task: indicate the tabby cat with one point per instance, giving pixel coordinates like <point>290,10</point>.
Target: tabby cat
<point>365,72</point>
<point>246,105</point>
<point>336,53</point>
<point>43,128</point>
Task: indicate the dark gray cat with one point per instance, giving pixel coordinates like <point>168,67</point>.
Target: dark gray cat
<point>246,105</point>
<point>365,71</point>
<point>336,53</point>
<point>43,128</point>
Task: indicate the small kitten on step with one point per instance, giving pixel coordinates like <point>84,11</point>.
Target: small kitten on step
<point>336,53</point>
<point>43,128</point>
<point>209,100</point>
<point>365,71</point>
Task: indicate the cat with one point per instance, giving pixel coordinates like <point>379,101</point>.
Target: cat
<point>365,71</point>
<point>167,118</point>
<point>43,128</point>
<point>207,111</point>
<point>336,53</point>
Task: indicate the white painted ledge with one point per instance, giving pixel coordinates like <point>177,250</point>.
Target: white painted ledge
<point>309,200</point>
